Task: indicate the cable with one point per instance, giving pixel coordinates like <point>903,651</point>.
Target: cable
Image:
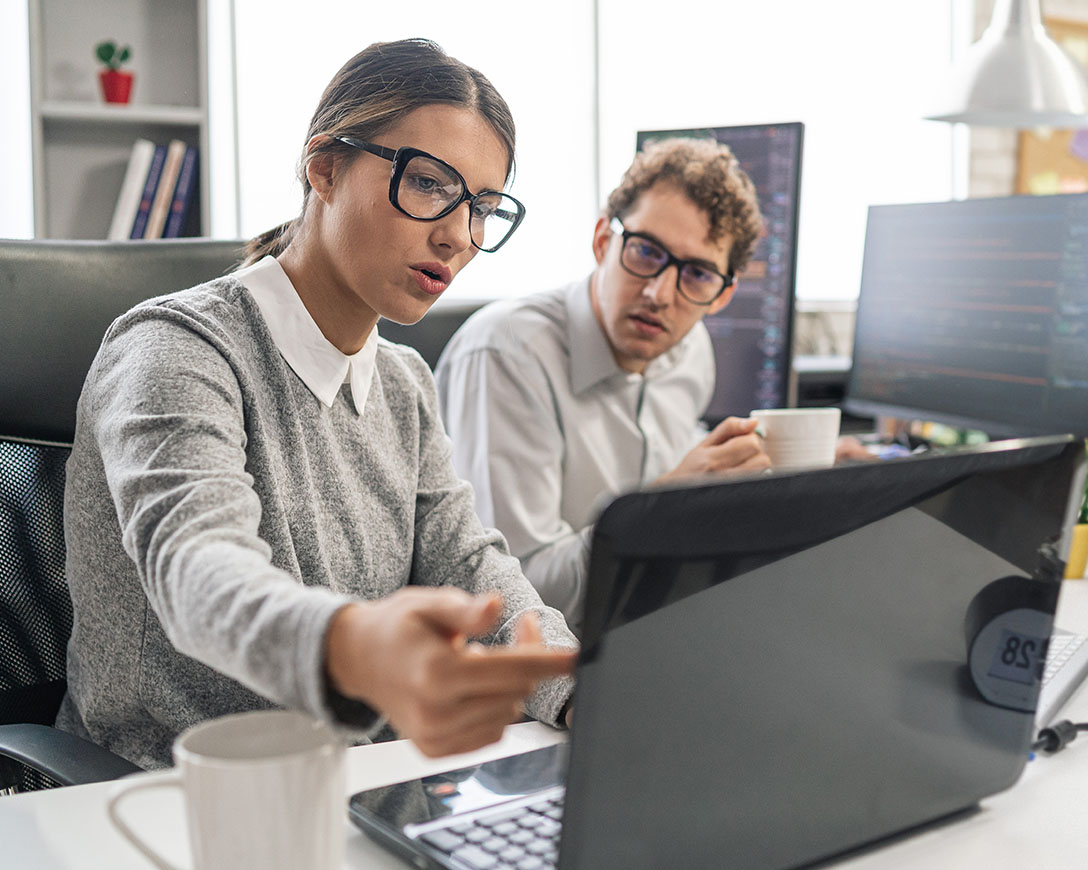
<point>1057,736</point>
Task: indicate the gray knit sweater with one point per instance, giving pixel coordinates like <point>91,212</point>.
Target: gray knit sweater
<point>217,514</point>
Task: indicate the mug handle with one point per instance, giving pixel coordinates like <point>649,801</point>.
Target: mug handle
<point>126,789</point>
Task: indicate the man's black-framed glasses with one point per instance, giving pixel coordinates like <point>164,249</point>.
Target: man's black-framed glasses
<point>645,257</point>
<point>426,188</point>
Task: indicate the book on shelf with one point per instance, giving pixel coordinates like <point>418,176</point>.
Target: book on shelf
<point>164,193</point>
<point>183,195</point>
<point>128,200</point>
<point>147,194</point>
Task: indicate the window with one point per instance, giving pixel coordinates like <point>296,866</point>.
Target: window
<point>857,73</point>
<point>540,58</point>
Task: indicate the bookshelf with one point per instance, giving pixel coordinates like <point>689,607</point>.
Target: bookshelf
<point>80,144</point>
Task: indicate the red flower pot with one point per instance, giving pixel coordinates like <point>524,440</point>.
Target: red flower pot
<point>116,85</point>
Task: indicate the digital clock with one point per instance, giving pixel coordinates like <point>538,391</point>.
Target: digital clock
<point>1008,626</point>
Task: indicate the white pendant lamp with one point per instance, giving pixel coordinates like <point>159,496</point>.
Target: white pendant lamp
<point>1016,75</point>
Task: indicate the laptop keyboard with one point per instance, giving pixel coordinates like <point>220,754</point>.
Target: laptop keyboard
<point>1066,668</point>
<point>525,837</point>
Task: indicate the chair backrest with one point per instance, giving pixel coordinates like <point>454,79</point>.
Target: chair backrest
<point>35,609</point>
<point>58,299</point>
<point>429,335</point>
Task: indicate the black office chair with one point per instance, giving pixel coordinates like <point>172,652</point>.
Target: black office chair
<point>58,298</point>
<point>429,335</point>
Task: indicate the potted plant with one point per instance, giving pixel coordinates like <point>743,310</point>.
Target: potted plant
<point>116,82</point>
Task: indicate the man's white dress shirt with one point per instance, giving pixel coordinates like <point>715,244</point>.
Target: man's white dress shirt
<point>547,427</point>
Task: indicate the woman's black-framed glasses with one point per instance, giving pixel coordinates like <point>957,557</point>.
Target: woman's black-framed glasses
<point>645,257</point>
<point>426,189</point>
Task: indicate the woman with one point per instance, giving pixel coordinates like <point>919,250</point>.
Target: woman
<point>256,476</point>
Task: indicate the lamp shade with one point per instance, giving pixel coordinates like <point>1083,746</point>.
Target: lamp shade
<point>1016,75</point>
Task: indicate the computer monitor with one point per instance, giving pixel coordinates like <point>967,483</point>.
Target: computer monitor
<point>753,335</point>
<point>975,314</point>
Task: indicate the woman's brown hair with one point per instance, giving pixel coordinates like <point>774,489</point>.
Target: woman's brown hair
<point>371,93</point>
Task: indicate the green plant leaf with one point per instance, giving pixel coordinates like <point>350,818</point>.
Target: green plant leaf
<point>104,51</point>
<point>111,55</point>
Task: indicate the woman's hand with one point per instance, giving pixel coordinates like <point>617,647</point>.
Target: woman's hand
<point>408,656</point>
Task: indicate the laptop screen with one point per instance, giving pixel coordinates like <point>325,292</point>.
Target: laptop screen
<point>779,669</point>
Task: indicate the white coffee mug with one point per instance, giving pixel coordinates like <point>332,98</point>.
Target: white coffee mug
<point>263,789</point>
<point>799,437</point>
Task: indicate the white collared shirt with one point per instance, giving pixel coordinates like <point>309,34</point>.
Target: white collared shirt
<point>548,428</point>
<point>319,364</point>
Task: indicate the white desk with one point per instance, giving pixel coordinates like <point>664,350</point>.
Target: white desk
<point>1038,823</point>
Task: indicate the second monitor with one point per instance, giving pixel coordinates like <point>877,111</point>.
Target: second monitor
<point>975,313</point>
<point>753,335</point>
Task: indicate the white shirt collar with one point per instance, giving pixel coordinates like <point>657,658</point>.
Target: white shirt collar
<point>319,364</point>
<point>591,357</point>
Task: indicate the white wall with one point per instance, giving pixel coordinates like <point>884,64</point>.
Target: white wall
<point>539,56</point>
<point>16,189</point>
<point>223,169</point>
<point>858,73</point>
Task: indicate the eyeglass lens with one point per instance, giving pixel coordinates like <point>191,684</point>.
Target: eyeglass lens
<point>643,258</point>
<point>428,188</point>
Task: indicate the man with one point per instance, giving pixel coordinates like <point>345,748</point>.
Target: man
<point>557,401</point>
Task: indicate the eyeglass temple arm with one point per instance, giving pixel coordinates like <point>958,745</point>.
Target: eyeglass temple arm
<point>369,147</point>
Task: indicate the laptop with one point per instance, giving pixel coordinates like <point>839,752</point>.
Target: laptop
<point>780,669</point>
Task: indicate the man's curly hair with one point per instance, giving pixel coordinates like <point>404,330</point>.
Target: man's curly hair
<point>710,175</point>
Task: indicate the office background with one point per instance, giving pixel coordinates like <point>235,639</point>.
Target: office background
<point>582,77</point>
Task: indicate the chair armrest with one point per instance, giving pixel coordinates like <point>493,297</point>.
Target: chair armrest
<point>63,757</point>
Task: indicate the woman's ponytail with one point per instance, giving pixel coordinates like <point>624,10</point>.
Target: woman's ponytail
<point>270,243</point>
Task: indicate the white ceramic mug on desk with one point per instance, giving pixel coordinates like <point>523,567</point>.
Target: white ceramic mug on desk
<point>263,789</point>
<point>797,438</point>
